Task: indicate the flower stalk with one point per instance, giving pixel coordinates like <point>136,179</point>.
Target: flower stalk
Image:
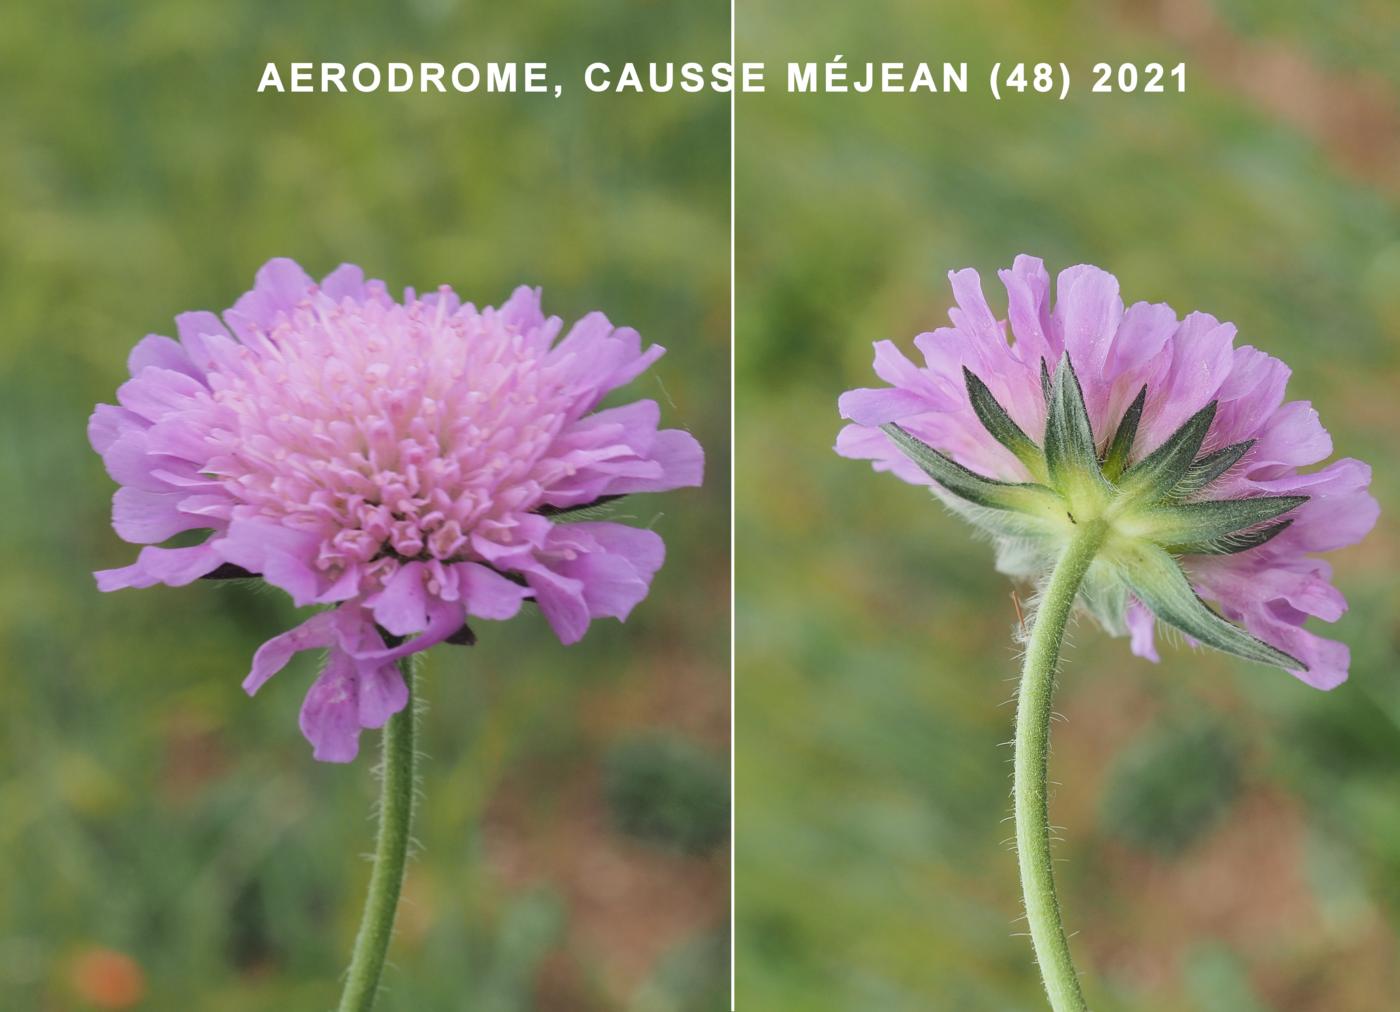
<point>390,854</point>
<point>1032,801</point>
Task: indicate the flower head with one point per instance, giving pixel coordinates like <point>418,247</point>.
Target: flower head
<point>1179,444</point>
<point>410,464</point>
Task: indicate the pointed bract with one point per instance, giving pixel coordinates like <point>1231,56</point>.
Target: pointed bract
<point>1115,459</point>
<point>1157,580</point>
<point>987,493</point>
<point>1210,467</point>
<point>1000,425</point>
<point>1158,473</point>
<point>1186,523</point>
<point>1232,544</point>
<point>1070,457</point>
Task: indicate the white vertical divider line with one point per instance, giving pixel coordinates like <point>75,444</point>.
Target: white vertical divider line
<point>733,499</point>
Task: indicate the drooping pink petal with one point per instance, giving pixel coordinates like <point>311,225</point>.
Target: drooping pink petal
<point>272,656</point>
<point>382,692</point>
<point>330,714</point>
<point>613,562</point>
<point>561,600</point>
<point>1142,628</point>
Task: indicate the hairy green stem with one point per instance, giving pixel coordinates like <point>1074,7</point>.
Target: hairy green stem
<point>390,856</point>
<point>1032,750</point>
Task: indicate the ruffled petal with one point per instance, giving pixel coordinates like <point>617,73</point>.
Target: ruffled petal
<point>109,423</point>
<point>345,282</point>
<point>1292,437</point>
<point>1087,313</point>
<point>200,332</point>
<point>173,567</point>
<point>155,393</point>
<point>522,310</point>
<point>488,594</point>
<point>143,517</point>
<point>160,352</point>
<point>279,287</point>
<point>402,607</point>
<point>861,443</point>
<point>1251,393</point>
<point>1202,354</point>
<point>615,563</point>
<point>880,405</point>
<point>1027,286</point>
<point>285,558</point>
<point>561,602</point>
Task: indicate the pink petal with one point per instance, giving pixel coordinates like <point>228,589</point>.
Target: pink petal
<point>160,352</point>
<point>1292,436</point>
<point>1028,310</point>
<point>109,423</point>
<point>173,567</point>
<point>881,405</point>
<point>141,516</point>
<point>345,282</point>
<point>382,693</point>
<point>444,619</point>
<point>1142,626</point>
<point>617,574</point>
<point>272,656</point>
<point>1144,332</point>
<point>155,393</point>
<point>522,310</point>
<point>1251,393</point>
<point>280,286</point>
<point>488,594</point>
<point>1086,317</point>
<point>562,603</point>
<point>973,316</point>
<point>196,331</point>
<point>284,557</point>
<point>330,715</point>
<point>402,607</point>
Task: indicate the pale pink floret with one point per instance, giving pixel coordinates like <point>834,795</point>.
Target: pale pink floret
<point>390,459</point>
<point>1185,363</point>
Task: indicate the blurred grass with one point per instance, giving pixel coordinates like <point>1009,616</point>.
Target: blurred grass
<point>875,657</point>
<point>146,806</point>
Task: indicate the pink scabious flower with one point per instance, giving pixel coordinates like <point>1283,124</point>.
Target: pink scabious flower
<point>1181,442</point>
<point>409,464</point>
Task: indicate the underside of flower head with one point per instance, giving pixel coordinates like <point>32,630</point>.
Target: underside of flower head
<point>1153,509</point>
<point>1158,430</point>
<point>410,464</point>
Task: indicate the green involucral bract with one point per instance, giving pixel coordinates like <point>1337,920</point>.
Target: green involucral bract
<point>1156,508</point>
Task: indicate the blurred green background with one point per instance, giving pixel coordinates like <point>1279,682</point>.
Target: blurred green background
<point>169,844</point>
<point>875,657</point>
